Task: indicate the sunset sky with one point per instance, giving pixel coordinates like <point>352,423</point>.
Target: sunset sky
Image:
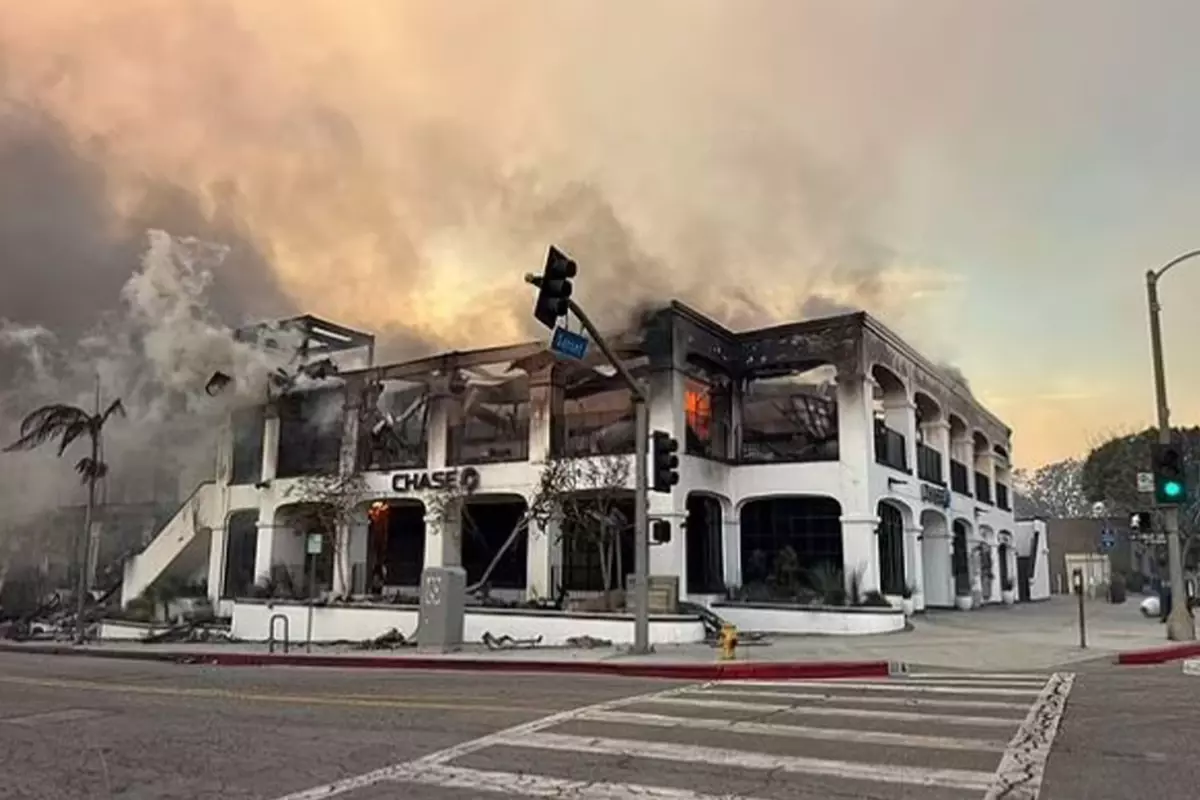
<point>991,177</point>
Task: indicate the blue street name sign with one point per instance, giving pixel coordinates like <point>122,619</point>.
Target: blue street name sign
<point>1108,539</point>
<point>568,344</point>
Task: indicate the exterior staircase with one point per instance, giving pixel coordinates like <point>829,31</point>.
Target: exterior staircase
<point>181,547</point>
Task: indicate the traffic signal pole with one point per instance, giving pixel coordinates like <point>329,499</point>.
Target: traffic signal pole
<point>1180,627</point>
<point>641,483</point>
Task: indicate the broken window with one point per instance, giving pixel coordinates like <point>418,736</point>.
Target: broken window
<point>310,432</point>
<point>707,407</point>
<point>246,462</point>
<point>597,416</point>
<point>393,426</point>
<point>790,417</point>
<point>491,423</point>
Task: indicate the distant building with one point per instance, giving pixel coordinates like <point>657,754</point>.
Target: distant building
<point>832,438</point>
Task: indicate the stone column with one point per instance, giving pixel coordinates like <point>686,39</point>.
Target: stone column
<point>937,435</point>
<point>901,416</point>
<point>270,448</point>
<point>856,444</point>
<point>860,549</point>
<point>915,565</point>
<point>544,562</point>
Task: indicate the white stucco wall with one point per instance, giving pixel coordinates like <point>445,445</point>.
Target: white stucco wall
<point>830,621</point>
<point>361,622</point>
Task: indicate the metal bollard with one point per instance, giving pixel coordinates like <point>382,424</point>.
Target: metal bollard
<point>271,636</point>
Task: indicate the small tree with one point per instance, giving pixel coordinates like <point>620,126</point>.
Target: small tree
<point>1056,489</point>
<point>326,503</point>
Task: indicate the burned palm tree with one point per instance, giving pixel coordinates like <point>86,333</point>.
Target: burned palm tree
<point>68,424</point>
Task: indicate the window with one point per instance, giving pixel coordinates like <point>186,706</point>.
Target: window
<point>241,550</point>
<point>811,526</point>
<point>705,572</point>
<point>891,549</point>
<point>246,466</point>
<point>707,411</point>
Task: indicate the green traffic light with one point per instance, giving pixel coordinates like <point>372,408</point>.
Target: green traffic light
<point>1172,489</point>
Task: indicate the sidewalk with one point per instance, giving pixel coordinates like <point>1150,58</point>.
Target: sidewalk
<point>1036,636</point>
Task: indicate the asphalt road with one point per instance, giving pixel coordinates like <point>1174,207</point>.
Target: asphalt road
<point>90,728</point>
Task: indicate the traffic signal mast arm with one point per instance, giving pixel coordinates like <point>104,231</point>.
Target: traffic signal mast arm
<point>626,375</point>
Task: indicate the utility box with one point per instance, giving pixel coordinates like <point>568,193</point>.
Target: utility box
<point>443,601</point>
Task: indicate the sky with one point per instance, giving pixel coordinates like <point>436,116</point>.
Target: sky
<point>992,178</point>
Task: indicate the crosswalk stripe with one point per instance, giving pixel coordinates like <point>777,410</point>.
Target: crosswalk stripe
<point>477,780</point>
<point>869,713</point>
<point>741,759</point>
<point>1015,676</point>
<point>893,686</point>
<point>914,702</point>
<point>797,731</point>
<point>1011,684</point>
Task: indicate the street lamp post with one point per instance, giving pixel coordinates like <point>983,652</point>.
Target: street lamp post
<point>1179,623</point>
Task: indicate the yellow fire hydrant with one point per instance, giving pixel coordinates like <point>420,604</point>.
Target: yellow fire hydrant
<point>728,642</point>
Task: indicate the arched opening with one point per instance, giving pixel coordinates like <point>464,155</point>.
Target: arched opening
<point>891,418</point>
<point>705,565</point>
<point>960,559</point>
<point>487,524</point>
<point>960,455</point>
<point>929,456</point>
<point>1005,573</point>
<point>241,549</point>
<point>396,546</point>
<point>890,535</point>
<point>296,571</point>
<point>789,544</point>
<point>987,569</point>
<point>983,480</point>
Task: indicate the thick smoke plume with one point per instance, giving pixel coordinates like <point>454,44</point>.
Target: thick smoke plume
<point>399,166</point>
<point>156,354</point>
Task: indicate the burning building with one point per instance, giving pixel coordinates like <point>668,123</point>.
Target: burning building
<point>828,446</point>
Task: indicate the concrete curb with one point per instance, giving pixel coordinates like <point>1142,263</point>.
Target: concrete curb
<point>1191,666</point>
<point>743,670</point>
<point>1158,655</point>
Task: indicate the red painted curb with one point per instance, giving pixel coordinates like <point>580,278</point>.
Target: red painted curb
<point>762,671</point>
<point>1159,655</point>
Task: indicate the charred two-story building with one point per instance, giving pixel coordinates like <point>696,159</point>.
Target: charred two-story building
<point>830,441</point>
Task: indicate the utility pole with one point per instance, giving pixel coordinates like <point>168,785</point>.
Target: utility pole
<point>1180,627</point>
<point>553,302</point>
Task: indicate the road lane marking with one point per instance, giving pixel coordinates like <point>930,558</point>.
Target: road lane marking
<point>797,731</point>
<point>1023,764</point>
<point>356,701</point>
<point>442,757</point>
<point>525,785</point>
<point>913,702</point>
<point>51,717</point>
<point>1014,676</point>
<point>896,685</point>
<point>868,713</point>
<point>745,759</point>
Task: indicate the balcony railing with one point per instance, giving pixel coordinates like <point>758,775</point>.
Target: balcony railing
<point>482,444</point>
<point>958,477</point>
<point>929,464</point>
<point>983,488</point>
<point>1002,497</point>
<point>891,449</point>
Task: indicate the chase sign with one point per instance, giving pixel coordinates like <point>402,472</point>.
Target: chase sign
<point>466,479</point>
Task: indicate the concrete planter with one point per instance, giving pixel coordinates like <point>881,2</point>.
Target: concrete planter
<point>908,605</point>
<point>964,602</point>
<point>1009,597</point>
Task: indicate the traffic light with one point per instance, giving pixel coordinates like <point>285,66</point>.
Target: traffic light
<point>1170,488</point>
<point>666,463</point>
<point>554,288</point>
<point>660,531</point>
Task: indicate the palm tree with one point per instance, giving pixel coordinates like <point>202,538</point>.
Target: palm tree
<point>68,424</point>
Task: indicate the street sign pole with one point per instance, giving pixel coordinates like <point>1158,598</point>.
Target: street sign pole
<point>1077,581</point>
